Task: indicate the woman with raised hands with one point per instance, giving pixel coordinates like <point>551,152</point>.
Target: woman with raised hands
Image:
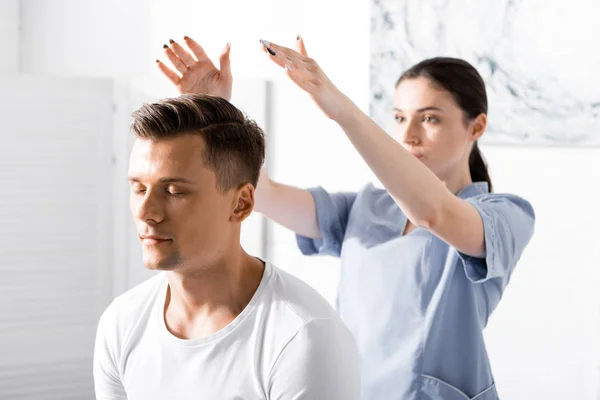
<point>425,260</point>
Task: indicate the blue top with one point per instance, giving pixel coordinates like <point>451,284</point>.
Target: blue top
<point>417,306</point>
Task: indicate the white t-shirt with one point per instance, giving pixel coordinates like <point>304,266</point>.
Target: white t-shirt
<point>288,343</point>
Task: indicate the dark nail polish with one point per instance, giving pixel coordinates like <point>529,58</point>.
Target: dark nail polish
<point>271,52</point>
<point>165,46</point>
<point>185,38</point>
<point>298,37</point>
<point>157,61</point>
<point>171,41</point>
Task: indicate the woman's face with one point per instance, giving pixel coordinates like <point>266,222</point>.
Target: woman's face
<point>431,126</point>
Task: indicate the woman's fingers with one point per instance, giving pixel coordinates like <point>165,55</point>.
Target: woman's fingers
<point>182,53</point>
<point>168,72</point>
<point>306,74</point>
<point>198,51</point>
<point>225,62</point>
<point>300,48</point>
<point>272,54</point>
<point>304,71</point>
<point>298,62</point>
<point>300,77</point>
<point>281,51</point>
<point>177,63</point>
<point>281,55</point>
<point>267,47</point>
<point>295,76</point>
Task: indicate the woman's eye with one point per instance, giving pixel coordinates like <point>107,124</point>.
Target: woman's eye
<point>430,119</point>
<point>399,118</point>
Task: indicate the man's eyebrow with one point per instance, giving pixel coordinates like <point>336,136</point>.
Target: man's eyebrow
<point>165,180</point>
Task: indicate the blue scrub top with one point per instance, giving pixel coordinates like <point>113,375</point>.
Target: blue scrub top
<point>417,307</point>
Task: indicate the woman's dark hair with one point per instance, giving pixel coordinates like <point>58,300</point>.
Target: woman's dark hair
<point>466,86</point>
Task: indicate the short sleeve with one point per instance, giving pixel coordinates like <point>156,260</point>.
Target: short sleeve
<point>508,224</point>
<point>320,362</point>
<point>333,210</point>
<point>107,381</point>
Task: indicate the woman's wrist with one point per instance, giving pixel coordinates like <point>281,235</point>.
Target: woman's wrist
<point>348,113</point>
<point>263,193</point>
<point>346,110</point>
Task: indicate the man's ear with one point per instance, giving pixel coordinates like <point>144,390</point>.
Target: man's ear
<point>243,203</point>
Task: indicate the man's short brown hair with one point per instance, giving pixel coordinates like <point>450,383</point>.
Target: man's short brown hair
<point>235,144</point>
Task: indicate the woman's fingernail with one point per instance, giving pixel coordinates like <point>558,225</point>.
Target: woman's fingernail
<point>171,41</point>
<point>267,46</point>
<point>229,44</point>
<point>185,37</point>
<point>157,61</point>
<point>288,68</point>
<point>298,37</point>
<point>165,46</point>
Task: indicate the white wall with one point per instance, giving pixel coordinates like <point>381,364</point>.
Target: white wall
<point>9,36</point>
<point>94,38</point>
<point>103,39</point>
<point>543,338</point>
<point>55,232</point>
<point>112,38</point>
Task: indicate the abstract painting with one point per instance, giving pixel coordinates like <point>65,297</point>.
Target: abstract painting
<point>540,60</point>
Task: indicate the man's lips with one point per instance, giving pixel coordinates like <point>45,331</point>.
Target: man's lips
<point>153,239</point>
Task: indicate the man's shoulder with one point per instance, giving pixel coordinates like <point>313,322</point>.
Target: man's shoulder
<point>317,355</point>
<point>291,295</point>
<point>135,304</point>
<point>296,315</point>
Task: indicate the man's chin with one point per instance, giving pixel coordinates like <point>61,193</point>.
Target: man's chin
<point>162,263</point>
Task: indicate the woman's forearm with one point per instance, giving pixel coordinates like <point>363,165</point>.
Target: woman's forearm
<point>288,206</point>
<point>414,187</point>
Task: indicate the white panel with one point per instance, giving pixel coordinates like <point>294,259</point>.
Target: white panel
<point>129,269</point>
<point>99,38</point>
<point>341,47</point>
<point>122,38</point>
<point>55,229</point>
<point>252,98</point>
<point>543,338</point>
<point>9,36</point>
<point>310,150</point>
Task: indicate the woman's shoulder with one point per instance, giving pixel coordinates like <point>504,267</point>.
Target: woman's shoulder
<point>499,197</point>
<point>374,201</point>
<point>371,191</point>
<point>503,203</point>
<point>479,192</point>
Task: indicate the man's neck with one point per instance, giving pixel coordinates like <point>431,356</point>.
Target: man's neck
<point>203,301</point>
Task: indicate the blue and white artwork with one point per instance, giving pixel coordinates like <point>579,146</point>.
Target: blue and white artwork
<point>540,60</point>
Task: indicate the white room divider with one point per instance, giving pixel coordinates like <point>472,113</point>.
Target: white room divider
<point>55,229</point>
